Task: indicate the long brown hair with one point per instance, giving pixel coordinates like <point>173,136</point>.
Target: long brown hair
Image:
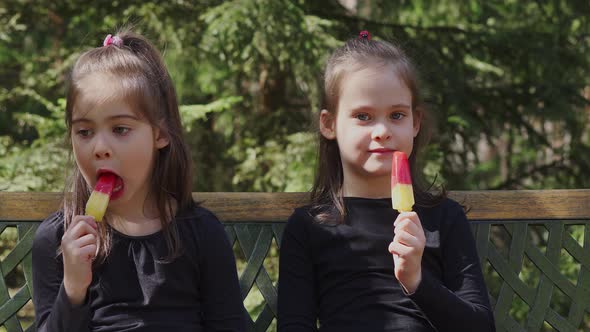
<point>148,89</point>
<point>326,195</point>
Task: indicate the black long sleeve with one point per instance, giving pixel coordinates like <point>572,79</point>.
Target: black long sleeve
<point>53,311</point>
<point>223,309</point>
<point>462,287</point>
<point>297,298</point>
<point>136,289</point>
<point>343,275</point>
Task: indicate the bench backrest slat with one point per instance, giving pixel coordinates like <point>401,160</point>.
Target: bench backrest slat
<point>248,207</point>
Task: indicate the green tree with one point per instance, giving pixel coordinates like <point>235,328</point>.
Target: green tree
<point>507,82</point>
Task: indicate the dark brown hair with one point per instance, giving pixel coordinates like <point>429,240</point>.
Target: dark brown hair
<point>355,54</point>
<point>137,66</point>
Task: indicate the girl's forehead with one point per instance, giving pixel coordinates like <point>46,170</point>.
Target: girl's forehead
<point>373,87</point>
<point>112,108</point>
<point>97,90</point>
<point>99,86</point>
<point>372,68</point>
<point>371,78</point>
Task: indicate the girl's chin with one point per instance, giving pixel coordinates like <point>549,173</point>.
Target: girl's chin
<point>379,172</point>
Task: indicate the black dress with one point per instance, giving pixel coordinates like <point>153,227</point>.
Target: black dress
<point>342,275</point>
<point>135,291</point>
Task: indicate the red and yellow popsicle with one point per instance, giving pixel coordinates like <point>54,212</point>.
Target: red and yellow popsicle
<point>402,194</point>
<point>99,199</point>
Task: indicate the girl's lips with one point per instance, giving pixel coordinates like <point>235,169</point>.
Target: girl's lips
<point>381,151</point>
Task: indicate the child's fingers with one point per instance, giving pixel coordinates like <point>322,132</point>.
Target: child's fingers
<point>409,226</point>
<point>82,227</point>
<point>88,252</point>
<point>88,219</point>
<point>78,231</point>
<point>407,239</point>
<point>80,250</point>
<point>396,248</point>
<point>408,215</point>
<point>85,240</point>
<point>92,222</point>
<point>412,246</point>
<point>402,215</point>
<point>391,248</point>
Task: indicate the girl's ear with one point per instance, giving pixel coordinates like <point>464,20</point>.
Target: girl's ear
<point>327,125</point>
<point>161,138</point>
<point>417,119</point>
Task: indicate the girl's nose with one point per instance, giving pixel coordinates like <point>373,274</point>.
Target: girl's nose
<point>101,148</point>
<point>380,133</point>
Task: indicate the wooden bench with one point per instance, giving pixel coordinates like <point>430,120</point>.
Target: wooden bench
<point>534,247</point>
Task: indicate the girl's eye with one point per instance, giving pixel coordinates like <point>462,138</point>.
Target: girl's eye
<point>121,130</point>
<point>84,132</point>
<point>397,115</point>
<point>362,116</point>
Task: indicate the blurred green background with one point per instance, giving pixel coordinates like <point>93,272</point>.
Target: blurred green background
<point>507,81</point>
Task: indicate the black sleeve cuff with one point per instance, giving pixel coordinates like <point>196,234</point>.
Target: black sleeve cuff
<point>425,290</point>
<point>68,317</point>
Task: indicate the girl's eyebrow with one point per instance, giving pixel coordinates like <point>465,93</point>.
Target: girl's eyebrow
<point>397,106</point>
<point>110,118</point>
<point>369,108</point>
<point>362,108</point>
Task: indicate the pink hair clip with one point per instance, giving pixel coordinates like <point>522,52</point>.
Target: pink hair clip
<point>365,35</point>
<point>116,40</point>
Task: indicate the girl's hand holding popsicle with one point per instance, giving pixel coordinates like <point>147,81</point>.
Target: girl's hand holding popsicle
<point>78,245</point>
<point>79,242</point>
<point>409,241</point>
